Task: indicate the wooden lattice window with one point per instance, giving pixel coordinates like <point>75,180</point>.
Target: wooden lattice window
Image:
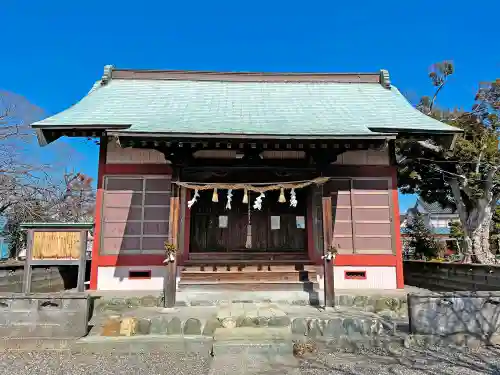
<point>135,214</point>
<point>362,215</point>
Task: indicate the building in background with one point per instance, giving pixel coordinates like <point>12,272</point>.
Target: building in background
<point>436,218</point>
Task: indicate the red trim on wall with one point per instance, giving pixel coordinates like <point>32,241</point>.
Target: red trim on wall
<point>131,260</point>
<point>362,275</point>
<point>187,229</point>
<point>97,219</point>
<point>142,169</point>
<point>357,260</point>
<point>400,281</point>
<point>309,228</point>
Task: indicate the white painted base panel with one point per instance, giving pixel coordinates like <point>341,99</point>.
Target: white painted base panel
<point>116,278</point>
<point>383,278</point>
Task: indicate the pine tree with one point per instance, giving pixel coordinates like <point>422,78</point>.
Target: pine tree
<point>422,243</point>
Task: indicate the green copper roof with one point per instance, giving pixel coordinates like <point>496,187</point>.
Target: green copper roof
<point>286,107</point>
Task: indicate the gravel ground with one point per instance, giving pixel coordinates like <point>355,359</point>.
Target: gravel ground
<point>409,362</point>
<point>55,363</point>
<point>373,362</point>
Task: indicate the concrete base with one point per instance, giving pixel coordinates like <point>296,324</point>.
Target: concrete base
<point>250,364</point>
<point>250,340</point>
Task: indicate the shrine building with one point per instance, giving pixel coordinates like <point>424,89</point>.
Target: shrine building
<point>243,181</point>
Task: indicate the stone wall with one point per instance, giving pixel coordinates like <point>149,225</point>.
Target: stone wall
<point>460,316</point>
<point>452,276</point>
<point>45,279</point>
<point>44,315</point>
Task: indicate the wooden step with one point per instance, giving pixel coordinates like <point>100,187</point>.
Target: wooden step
<point>249,268</point>
<point>247,255</point>
<point>248,276</point>
<point>244,262</point>
<point>249,286</point>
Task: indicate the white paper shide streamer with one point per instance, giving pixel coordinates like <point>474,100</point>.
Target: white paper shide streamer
<point>293,198</point>
<point>257,205</point>
<point>229,198</point>
<point>193,200</point>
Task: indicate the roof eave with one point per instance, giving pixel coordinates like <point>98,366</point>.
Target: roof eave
<point>43,126</point>
<point>45,133</point>
<point>387,136</point>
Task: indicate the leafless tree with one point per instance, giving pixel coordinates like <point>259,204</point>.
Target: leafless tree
<point>31,190</point>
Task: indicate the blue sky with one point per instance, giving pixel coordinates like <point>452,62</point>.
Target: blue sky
<point>53,51</point>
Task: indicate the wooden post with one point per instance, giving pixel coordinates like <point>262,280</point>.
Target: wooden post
<point>27,262</point>
<point>169,285</point>
<point>82,264</point>
<point>182,225</point>
<point>327,242</point>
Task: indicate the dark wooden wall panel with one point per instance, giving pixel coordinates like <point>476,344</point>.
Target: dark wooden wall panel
<point>207,236</point>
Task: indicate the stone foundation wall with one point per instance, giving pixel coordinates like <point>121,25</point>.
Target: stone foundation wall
<point>49,315</point>
<point>459,314</point>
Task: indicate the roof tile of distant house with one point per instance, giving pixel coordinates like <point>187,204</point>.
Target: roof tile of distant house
<point>435,208</point>
<point>286,104</point>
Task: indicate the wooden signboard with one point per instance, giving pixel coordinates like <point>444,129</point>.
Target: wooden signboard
<point>56,244</point>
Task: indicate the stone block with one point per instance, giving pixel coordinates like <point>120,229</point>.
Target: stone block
<point>334,328</point>
<point>315,328</point>
<point>245,321</point>
<point>353,327</point>
<point>44,315</point>
<point>150,301</point>
<point>251,341</point>
<point>472,314</point>
<point>344,300</point>
<point>299,326</point>
<point>360,301</point>
<point>192,327</point>
<point>144,327</point>
<point>159,326</point>
<point>210,326</point>
<point>249,333</point>
<point>279,321</point>
<point>111,327</point>
<point>229,322</point>
<point>174,326</point>
<point>128,326</point>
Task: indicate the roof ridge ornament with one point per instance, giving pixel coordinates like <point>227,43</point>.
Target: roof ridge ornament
<point>385,79</point>
<point>107,75</point>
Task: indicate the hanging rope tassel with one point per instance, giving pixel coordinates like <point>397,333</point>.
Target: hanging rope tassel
<point>215,196</point>
<point>282,198</point>
<point>293,198</point>
<point>248,243</point>
<point>193,200</point>
<point>245,196</point>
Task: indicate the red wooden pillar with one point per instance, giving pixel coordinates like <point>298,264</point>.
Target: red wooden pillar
<point>94,263</point>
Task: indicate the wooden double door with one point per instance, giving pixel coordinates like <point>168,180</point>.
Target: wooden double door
<point>277,227</point>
